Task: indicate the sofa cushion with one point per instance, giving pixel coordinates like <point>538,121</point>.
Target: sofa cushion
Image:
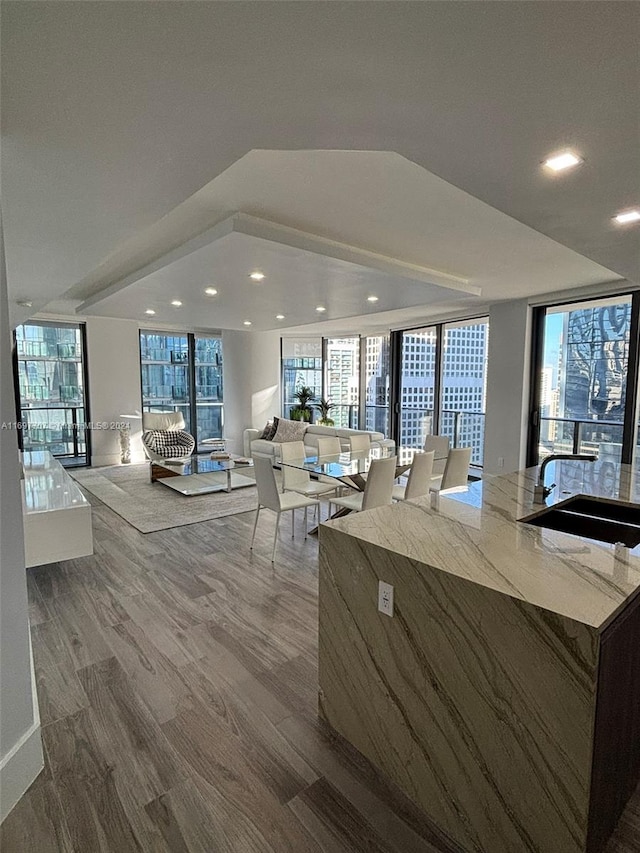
<point>162,421</point>
<point>289,431</point>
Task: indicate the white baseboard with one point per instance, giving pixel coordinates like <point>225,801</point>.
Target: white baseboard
<point>19,768</point>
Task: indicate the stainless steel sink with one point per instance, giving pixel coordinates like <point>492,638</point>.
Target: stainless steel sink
<point>592,518</point>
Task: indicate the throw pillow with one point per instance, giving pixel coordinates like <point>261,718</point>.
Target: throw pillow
<point>266,432</point>
<point>290,430</point>
<point>270,430</point>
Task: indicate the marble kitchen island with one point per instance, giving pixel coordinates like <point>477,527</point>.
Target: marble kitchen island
<point>503,696</point>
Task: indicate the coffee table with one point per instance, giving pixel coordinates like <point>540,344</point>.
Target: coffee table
<point>200,475</point>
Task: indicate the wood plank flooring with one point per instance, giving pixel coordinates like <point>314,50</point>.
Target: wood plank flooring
<point>177,681</point>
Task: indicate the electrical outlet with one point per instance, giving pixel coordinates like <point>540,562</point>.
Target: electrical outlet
<point>500,461</point>
<point>385,598</point>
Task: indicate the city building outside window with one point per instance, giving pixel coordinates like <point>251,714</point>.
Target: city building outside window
<point>586,369</point>
<point>182,372</point>
<point>51,388</point>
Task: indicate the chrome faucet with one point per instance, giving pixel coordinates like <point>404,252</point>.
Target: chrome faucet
<point>540,491</point>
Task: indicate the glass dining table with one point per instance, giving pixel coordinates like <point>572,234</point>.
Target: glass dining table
<point>348,468</point>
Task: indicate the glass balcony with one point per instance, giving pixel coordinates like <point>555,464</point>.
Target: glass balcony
<point>465,429</point>
<point>581,435</point>
<point>59,430</point>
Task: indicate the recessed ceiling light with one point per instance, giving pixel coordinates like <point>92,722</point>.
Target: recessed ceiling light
<point>149,311</point>
<point>564,160</point>
<point>321,309</point>
<point>372,298</point>
<point>211,291</point>
<point>256,276</point>
<point>176,302</point>
<point>247,322</point>
<point>627,216</point>
<point>279,316</point>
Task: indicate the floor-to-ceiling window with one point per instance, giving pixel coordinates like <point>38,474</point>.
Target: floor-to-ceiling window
<point>301,361</point>
<point>342,379</point>
<point>583,376</point>
<point>442,384</point>
<point>417,385</point>
<point>165,373</point>
<point>463,385</point>
<point>208,385</point>
<point>375,365</point>
<point>172,364</point>
<point>636,449</point>
<point>52,392</point>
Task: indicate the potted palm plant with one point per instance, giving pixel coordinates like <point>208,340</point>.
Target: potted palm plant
<point>302,412</point>
<point>324,407</point>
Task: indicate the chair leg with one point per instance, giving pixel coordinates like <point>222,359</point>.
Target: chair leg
<point>255,525</point>
<point>275,539</point>
<point>305,522</point>
<point>293,518</point>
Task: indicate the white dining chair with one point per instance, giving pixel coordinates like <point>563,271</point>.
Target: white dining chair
<point>419,478</point>
<point>329,446</point>
<point>359,443</point>
<point>297,479</point>
<point>456,470</point>
<point>440,445</point>
<point>270,498</point>
<point>377,491</point>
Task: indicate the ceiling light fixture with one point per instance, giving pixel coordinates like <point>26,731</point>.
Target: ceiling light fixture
<point>247,322</point>
<point>279,316</point>
<point>372,298</point>
<point>564,160</point>
<point>256,276</point>
<point>149,311</point>
<point>25,303</point>
<point>627,216</point>
<point>321,309</point>
<point>176,302</point>
<point>211,291</point>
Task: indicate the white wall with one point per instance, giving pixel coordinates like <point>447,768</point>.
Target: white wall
<point>251,376</point>
<point>21,756</point>
<point>113,359</point>
<point>507,386</point>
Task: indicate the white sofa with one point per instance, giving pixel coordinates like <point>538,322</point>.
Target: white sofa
<point>254,445</point>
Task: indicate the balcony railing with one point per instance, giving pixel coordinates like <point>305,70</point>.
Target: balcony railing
<point>580,435</point>
<point>58,429</point>
<point>465,429</point>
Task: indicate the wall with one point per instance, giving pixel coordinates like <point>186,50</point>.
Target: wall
<point>113,358</point>
<point>251,376</point>
<point>21,756</point>
<point>507,386</point>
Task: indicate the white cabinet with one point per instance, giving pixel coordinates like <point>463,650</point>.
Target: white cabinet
<point>57,516</point>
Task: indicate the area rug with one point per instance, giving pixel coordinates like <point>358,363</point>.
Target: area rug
<point>150,507</point>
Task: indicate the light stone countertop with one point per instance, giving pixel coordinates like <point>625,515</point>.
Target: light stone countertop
<point>476,535</point>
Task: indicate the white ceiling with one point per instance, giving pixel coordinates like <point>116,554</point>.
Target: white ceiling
<point>126,125</point>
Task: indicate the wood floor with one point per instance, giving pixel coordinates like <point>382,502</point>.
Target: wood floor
<point>177,682</point>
